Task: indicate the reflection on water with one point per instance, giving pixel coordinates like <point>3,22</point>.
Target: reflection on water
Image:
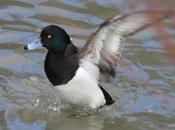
<point>143,88</point>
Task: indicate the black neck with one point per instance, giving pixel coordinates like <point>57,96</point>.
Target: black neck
<point>61,68</point>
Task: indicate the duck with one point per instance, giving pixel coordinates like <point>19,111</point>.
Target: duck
<point>77,73</point>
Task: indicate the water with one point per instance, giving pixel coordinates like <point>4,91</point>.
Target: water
<point>144,87</point>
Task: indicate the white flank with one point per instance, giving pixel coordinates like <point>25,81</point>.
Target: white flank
<point>82,90</point>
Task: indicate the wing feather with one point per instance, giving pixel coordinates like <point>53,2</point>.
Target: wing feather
<point>103,47</point>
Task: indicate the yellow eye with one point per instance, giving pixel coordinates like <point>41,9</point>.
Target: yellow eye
<point>49,36</point>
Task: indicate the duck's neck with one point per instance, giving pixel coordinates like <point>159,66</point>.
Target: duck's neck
<point>60,68</point>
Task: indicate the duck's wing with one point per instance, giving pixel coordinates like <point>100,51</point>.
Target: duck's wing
<point>103,47</point>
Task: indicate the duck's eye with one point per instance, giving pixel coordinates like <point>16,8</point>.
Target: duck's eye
<point>49,36</point>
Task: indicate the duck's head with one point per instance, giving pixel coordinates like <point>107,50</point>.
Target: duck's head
<point>52,37</point>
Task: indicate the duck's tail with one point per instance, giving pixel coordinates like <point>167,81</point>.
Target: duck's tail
<point>108,98</point>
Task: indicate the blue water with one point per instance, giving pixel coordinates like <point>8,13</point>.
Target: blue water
<point>143,88</point>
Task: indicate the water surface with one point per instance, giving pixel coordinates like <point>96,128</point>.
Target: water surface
<point>144,87</point>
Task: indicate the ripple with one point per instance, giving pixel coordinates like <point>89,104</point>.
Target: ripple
<point>143,87</point>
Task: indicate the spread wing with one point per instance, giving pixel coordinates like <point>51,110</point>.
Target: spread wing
<point>102,50</point>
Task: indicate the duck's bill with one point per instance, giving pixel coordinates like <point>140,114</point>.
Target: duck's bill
<point>33,45</point>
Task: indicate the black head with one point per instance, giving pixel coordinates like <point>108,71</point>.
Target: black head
<point>52,37</point>
<point>55,39</point>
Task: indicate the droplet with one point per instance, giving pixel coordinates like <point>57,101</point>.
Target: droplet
<point>36,102</point>
<point>52,107</point>
<point>33,78</point>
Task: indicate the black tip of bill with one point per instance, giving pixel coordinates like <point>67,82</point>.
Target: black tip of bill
<point>25,47</point>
